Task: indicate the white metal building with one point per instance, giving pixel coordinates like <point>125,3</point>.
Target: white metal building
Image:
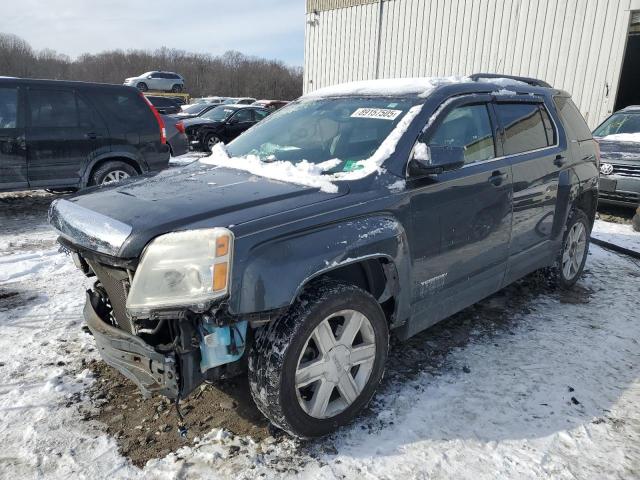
<point>590,48</point>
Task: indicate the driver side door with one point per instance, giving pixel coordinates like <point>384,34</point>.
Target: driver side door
<point>461,219</point>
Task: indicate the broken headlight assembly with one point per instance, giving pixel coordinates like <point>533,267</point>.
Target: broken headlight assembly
<point>182,269</point>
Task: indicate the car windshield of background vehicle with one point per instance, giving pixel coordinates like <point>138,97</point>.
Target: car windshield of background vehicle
<point>194,109</point>
<point>218,114</point>
<point>344,130</point>
<point>619,123</point>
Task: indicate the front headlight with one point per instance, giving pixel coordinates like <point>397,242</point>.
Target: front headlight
<point>182,269</point>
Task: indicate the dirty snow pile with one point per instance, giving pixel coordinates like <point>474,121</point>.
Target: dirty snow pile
<point>617,233</point>
<point>554,395</point>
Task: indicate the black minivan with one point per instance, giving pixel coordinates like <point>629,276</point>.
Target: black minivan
<point>62,135</point>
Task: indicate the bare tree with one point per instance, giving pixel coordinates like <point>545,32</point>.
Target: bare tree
<point>231,74</point>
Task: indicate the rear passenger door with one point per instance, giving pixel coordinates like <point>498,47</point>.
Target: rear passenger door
<point>60,137</point>
<point>13,158</point>
<point>530,142</point>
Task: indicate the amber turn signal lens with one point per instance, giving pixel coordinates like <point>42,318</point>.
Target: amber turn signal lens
<point>219,276</point>
<point>222,246</point>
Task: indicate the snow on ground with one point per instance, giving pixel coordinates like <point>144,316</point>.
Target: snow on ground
<point>618,234</point>
<point>555,394</point>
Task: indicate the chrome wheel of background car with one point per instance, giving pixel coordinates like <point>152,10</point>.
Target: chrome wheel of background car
<point>115,176</point>
<point>335,364</point>
<point>574,250</point>
<point>211,142</point>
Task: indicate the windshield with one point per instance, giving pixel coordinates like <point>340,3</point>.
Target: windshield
<point>619,123</point>
<point>218,114</point>
<point>344,130</point>
<point>194,109</point>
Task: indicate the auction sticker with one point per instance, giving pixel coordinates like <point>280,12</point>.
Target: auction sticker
<point>379,113</point>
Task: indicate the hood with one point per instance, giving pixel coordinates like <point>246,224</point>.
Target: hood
<point>190,122</point>
<point>121,220</point>
<point>614,150</point>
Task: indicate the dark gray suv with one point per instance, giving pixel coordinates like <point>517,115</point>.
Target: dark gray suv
<point>63,135</point>
<point>357,212</point>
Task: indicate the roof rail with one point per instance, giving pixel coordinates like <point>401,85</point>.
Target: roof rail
<point>531,81</point>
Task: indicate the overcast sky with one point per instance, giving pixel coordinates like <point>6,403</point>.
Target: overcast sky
<point>267,28</point>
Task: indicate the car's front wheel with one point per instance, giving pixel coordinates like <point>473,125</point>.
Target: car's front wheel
<point>210,141</point>
<point>318,366</point>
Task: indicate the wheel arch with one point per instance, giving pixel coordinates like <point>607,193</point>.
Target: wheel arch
<point>369,252</point>
<point>97,163</point>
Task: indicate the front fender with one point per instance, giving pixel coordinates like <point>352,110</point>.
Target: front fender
<point>276,271</point>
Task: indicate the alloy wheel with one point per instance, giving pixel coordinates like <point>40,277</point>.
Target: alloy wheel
<point>115,176</point>
<point>574,250</point>
<point>335,364</point>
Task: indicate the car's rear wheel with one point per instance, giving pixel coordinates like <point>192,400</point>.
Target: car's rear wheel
<point>176,88</point>
<point>112,172</point>
<point>575,248</point>
<point>142,87</point>
<point>318,366</point>
<point>210,141</point>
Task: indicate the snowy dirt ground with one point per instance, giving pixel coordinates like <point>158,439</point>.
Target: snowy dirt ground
<point>530,383</point>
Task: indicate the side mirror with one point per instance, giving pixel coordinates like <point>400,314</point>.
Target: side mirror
<point>150,76</point>
<point>435,159</point>
<point>232,121</point>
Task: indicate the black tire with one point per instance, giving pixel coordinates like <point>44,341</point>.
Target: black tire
<point>274,357</point>
<point>101,173</point>
<point>206,141</point>
<point>636,220</point>
<point>142,87</point>
<point>176,88</point>
<point>558,274</point>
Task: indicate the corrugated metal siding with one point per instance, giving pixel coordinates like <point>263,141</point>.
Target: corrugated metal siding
<point>321,5</point>
<point>576,45</point>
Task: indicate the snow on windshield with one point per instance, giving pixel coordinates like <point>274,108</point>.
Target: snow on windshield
<point>314,174</point>
<point>623,137</point>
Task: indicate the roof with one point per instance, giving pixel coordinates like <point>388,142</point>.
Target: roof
<point>62,83</point>
<point>421,87</point>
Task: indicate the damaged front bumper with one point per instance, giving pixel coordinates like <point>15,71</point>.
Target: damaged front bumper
<point>151,371</point>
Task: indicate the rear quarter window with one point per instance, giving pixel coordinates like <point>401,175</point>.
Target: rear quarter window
<point>124,110</point>
<point>572,119</point>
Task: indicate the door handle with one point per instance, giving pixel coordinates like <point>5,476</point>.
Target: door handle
<point>91,135</point>
<point>559,161</point>
<point>497,178</point>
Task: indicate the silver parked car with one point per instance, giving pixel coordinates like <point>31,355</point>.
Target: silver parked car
<point>163,81</point>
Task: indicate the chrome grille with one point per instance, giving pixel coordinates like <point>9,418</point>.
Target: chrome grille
<point>626,170</point>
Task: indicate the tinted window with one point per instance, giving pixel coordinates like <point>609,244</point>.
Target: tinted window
<point>8,107</point>
<point>572,119</point>
<point>548,127</point>
<point>243,115</point>
<point>161,102</point>
<point>260,114</point>
<point>53,108</point>
<point>124,109</point>
<point>523,127</point>
<point>156,75</point>
<point>469,127</point>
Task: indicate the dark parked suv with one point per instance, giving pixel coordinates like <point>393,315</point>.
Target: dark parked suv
<point>61,135</point>
<point>355,212</point>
